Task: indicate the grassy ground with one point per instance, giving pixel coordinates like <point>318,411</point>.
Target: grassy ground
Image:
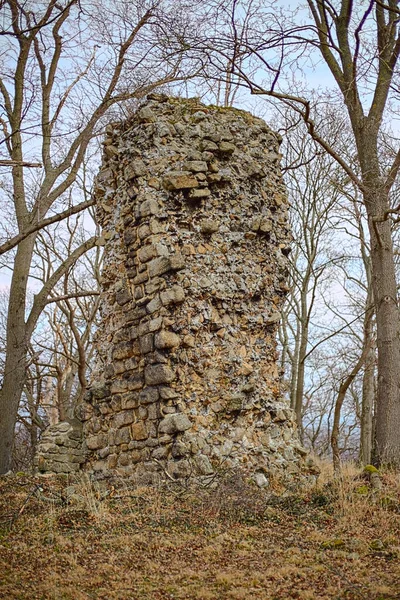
<point>336,541</point>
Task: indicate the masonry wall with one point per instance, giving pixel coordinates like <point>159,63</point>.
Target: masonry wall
<point>193,211</point>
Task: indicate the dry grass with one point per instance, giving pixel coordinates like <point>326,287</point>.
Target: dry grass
<point>336,540</point>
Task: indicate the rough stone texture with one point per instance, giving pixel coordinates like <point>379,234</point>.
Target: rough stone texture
<point>194,218</point>
<point>60,449</point>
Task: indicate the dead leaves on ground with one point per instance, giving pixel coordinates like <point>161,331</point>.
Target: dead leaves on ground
<point>232,542</point>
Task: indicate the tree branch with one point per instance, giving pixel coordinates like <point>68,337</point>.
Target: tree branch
<point>40,299</point>
<point>7,246</point>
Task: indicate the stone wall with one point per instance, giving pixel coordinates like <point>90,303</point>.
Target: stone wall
<point>61,449</point>
<point>194,216</point>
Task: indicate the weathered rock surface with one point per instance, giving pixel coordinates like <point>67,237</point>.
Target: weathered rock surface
<point>61,449</point>
<point>194,218</point>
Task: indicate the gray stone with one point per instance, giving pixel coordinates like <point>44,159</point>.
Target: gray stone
<point>180,449</point>
<point>154,305</point>
<point>146,343</point>
<point>160,453</point>
<point>83,411</point>
<point>159,266</point>
<point>174,423</point>
<point>146,115</point>
<point>180,468</point>
<point>203,465</point>
<point>122,297</point>
<point>174,295</point>
<point>122,436</point>
<point>261,480</point>
<point>123,418</point>
<point>158,374</point>
<point>154,324</point>
<point>136,168</point>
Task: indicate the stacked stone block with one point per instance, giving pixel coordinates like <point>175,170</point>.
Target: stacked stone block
<point>60,449</point>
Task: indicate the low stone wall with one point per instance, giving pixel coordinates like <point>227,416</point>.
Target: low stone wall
<point>60,449</point>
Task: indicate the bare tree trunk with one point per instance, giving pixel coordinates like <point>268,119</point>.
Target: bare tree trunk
<point>344,386</point>
<point>19,331</point>
<point>388,330</point>
<point>293,375</point>
<point>300,378</point>
<point>64,391</point>
<point>16,350</point>
<point>368,400</point>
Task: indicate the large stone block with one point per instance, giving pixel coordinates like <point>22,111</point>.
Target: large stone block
<point>158,374</point>
<point>167,339</point>
<point>174,423</point>
<point>180,180</point>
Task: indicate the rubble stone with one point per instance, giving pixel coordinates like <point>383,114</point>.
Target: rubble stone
<point>194,223</point>
<point>61,448</point>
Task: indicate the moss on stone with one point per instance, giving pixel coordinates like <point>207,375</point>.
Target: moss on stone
<point>368,469</point>
<point>334,544</point>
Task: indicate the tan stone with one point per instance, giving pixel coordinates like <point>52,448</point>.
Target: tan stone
<point>189,341</point>
<point>139,431</point>
<point>94,442</point>
<point>196,166</point>
<point>179,181</point>
<point>167,339</point>
<point>199,194</point>
<point>174,423</point>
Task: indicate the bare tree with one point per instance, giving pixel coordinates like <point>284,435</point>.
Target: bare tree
<point>326,215</point>
<point>61,348</point>
<point>312,199</point>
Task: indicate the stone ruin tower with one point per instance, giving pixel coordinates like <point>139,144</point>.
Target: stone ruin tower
<point>194,216</point>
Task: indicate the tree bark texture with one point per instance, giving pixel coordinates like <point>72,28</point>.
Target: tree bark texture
<point>368,399</point>
<point>388,330</point>
<point>16,350</point>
